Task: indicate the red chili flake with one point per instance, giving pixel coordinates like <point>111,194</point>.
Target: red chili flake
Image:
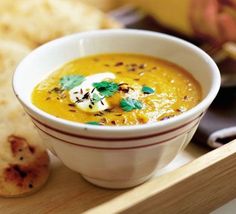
<point>119,64</point>
<point>81,91</point>
<point>113,122</point>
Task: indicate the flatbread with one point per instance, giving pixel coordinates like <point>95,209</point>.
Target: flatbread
<point>35,22</point>
<point>24,163</point>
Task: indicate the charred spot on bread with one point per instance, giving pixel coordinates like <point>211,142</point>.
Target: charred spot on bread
<point>18,144</point>
<point>15,174</point>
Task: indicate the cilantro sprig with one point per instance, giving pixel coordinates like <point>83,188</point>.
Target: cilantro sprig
<point>70,81</point>
<point>94,123</point>
<point>147,90</point>
<point>96,98</point>
<point>129,104</point>
<point>105,88</point>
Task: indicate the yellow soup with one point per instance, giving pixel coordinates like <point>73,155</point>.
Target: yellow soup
<point>117,89</point>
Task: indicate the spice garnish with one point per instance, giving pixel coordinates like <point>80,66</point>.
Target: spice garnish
<point>105,88</point>
<point>56,90</point>
<point>131,69</point>
<point>108,110</point>
<point>185,97</point>
<point>92,90</point>
<point>142,66</point>
<point>71,105</point>
<point>86,96</point>
<point>72,110</point>
<point>119,64</point>
<point>147,90</point>
<point>113,122</point>
<point>70,81</point>
<point>129,104</point>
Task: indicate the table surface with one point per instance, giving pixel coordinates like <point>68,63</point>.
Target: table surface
<point>67,192</point>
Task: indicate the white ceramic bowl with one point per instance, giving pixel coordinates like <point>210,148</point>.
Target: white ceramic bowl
<point>116,157</point>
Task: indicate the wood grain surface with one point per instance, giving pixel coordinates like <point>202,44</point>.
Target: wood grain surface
<point>201,185</point>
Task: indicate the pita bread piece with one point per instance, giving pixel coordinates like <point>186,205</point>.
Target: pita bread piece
<point>24,163</point>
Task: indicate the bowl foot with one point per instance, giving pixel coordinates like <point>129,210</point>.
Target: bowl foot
<point>117,184</point>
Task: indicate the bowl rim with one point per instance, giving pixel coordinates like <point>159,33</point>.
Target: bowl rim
<point>199,108</point>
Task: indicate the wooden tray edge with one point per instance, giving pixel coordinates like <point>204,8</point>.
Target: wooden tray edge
<point>200,186</point>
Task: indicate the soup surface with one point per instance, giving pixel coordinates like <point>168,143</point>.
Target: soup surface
<point>117,89</point>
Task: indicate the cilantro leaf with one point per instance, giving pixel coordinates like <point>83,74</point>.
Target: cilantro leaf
<point>96,98</point>
<point>105,88</point>
<point>70,81</point>
<point>93,123</point>
<point>147,90</point>
<point>129,104</point>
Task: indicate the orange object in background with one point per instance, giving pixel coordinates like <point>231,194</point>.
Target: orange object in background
<point>214,19</point>
<point>211,20</point>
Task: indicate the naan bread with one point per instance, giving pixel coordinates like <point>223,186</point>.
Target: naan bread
<point>24,163</point>
<point>35,22</point>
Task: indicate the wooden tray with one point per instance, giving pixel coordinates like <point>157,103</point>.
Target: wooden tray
<point>205,181</point>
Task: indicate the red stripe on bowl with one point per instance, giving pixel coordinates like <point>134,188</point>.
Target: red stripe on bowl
<point>117,148</point>
<point>115,139</point>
